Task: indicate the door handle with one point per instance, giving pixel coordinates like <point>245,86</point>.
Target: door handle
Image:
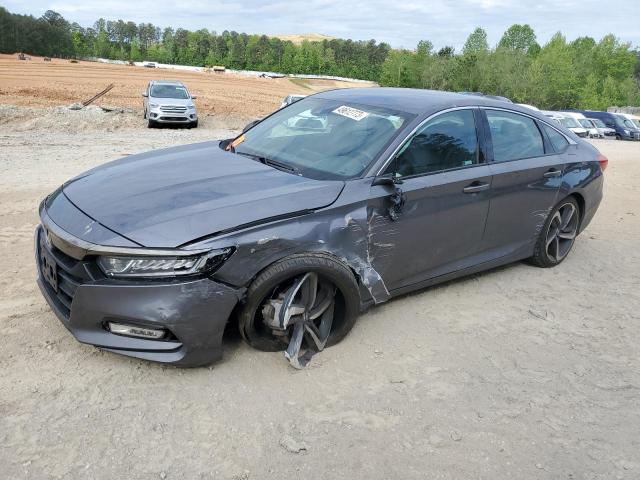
<point>475,187</point>
<point>552,173</point>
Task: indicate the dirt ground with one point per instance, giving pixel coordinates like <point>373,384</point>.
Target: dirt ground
<point>518,373</point>
<point>36,83</point>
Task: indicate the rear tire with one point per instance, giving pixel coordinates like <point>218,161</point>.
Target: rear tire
<point>277,276</point>
<point>558,234</point>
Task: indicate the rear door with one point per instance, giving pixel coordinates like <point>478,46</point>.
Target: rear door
<point>527,174</point>
<point>445,185</point>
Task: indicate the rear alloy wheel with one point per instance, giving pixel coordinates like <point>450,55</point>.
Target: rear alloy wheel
<point>301,305</point>
<point>558,235</point>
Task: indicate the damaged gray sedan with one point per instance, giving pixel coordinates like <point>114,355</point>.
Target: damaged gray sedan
<point>335,203</point>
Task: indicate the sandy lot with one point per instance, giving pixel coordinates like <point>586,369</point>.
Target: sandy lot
<point>37,83</point>
<point>518,373</point>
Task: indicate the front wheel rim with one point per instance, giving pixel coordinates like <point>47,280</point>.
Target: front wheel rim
<point>562,232</point>
<point>303,313</point>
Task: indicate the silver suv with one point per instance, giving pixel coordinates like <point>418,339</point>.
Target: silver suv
<point>168,101</point>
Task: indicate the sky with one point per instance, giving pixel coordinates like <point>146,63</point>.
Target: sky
<point>401,24</point>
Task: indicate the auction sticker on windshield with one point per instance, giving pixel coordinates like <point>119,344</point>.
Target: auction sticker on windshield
<point>350,112</point>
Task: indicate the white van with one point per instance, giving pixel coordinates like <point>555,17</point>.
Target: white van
<point>585,123</point>
<point>568,121</point>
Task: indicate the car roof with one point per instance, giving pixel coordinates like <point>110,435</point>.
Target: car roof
<point>417,101</point>
<point>597,113</point>
<point>167,82</point>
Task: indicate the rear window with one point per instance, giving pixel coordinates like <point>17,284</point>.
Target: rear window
<point>514,136</point>
<point>558,141</point>
<point>446,142</point>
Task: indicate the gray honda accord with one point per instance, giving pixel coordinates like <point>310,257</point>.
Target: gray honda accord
<point>337,202</point>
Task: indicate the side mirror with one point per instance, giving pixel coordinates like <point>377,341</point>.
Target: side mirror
<point>145,94</point>
<point>194,97</point>
<point>250,125</point>
<point>387,180</point>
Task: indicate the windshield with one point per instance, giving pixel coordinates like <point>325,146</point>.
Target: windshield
<point>598,123</point>
<point>628,123</point>
<point>323,139</point>
<point>169,91</point>
<point>585,123</point>
<point>569,122</point>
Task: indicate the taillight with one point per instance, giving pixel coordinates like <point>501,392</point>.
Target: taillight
<point>603,161</point>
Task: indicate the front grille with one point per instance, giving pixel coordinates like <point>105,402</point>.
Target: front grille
<point>66,270</point>
<point>173,119</point>
<point>173,109</point>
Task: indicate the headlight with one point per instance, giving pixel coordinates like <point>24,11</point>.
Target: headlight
<point>191,107</point>
<point>169,266</point>
<point>627,133</point>
<point>153,105</point>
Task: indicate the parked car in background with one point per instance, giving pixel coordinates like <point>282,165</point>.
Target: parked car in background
<point>592,131</point>
<point>591,128</point>
<point>169,102</point>
<point>634,119</point>
<point>573,125</point>
<point>149,64</point>
<point>289,99</point>
<point>291,232</point>
<point>624,128</point>
<point>603,129</point>
<point>569,122</point>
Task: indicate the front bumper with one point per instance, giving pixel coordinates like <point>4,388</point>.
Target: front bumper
<point>195,311</point>
<point>173,116</point>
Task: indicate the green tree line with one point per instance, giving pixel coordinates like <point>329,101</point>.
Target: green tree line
<point>52,35</point>
<point>583,73</point>
<point>560,74</point>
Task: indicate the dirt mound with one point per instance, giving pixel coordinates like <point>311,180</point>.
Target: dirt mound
<point>93,118</point>
<point>62,118</point>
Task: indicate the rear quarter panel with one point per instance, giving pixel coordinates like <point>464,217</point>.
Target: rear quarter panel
<point>584,178</point>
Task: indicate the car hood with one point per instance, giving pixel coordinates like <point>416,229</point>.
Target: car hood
<point>167,198</point>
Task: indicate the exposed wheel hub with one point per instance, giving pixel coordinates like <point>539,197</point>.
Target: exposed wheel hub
<point>303,314</point>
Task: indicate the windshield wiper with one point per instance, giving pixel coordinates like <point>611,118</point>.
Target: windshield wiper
<point>270,162</point>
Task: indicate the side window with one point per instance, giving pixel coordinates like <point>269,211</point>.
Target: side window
<point>514,136</point>
<point>558,140</point>
<point>445,142</point>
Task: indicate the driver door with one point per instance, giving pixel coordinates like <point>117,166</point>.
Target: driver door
<point>445,186</point>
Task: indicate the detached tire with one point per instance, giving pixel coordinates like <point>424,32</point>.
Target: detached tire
<point>275,278</point>
<point>558,234</point>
